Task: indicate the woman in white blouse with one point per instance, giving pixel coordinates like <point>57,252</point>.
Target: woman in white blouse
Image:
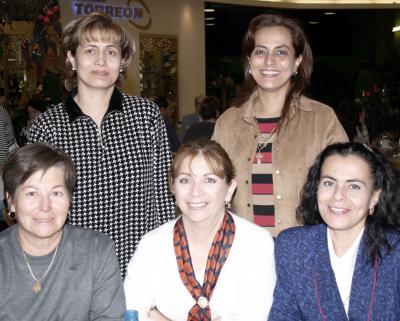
<point>208,264</point>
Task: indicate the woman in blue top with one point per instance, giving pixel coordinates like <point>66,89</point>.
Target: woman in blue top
<point>344,264</point>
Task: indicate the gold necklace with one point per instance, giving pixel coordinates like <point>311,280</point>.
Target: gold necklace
<point>37,287</point>
<point>263,142</point>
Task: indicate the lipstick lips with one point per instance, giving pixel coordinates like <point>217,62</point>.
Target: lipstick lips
<point>338,210</point>
<point>44,220</point>
<point>269,72</point>
<point>100,72</point>
<point>198,205</point>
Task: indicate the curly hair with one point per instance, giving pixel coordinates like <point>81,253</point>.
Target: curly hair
<point>84,29</point>
<point>386,178</point>
<point>298,83</point>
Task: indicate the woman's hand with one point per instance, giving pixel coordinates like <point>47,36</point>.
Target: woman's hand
<point>156,315</point>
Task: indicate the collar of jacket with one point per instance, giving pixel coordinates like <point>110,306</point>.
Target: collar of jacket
<point>74,111</point>
<point>249,113</point>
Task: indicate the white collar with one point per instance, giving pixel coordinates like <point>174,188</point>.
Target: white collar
<point>343,267</point>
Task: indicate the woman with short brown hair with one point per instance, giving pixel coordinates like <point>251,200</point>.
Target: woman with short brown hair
<point>50,270</point>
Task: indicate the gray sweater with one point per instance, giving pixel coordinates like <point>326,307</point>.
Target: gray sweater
<point>83,284</point>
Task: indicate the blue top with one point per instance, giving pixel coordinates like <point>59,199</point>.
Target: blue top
<point>306,288</point>
<point>131,315</point>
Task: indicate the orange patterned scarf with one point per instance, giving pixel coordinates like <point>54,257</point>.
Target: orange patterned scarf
<point>217,256</point>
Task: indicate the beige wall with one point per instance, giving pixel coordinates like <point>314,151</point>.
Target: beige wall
<point>180,18</point>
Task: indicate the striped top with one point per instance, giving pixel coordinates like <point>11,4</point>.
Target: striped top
<point>262,182</point>
<point>7,139</point>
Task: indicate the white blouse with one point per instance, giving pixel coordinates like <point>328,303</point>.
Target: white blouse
<point>343,267</point>
<point>244,290</point>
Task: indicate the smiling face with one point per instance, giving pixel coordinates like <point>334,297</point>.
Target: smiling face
<point>201,195</point>
<point>272,61</point>
<point>41,204</point>
<point>97,62</point>
<point>346,193</point>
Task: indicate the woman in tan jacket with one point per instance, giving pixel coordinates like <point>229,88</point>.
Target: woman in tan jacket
<point>275,133</point>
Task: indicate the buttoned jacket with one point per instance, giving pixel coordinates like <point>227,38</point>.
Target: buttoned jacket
<point>306,288</point>
<point>311,126</point>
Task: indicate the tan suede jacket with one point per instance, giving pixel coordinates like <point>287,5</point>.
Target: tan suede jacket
<point>311,127</point>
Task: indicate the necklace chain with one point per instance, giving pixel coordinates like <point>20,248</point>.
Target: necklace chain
<point>38,286</point>
<point>264,141</point>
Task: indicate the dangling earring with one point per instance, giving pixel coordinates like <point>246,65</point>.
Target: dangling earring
<point>250,71</point>
<point>227,205</point>
<point>371,211</point>
<point>121,70</point>
<point>73,68</point>
<point>11,215</point>
<point>294,73</point>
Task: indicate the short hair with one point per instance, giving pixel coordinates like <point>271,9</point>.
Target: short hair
<point>37,103</point>
<point>26,161</point>
<point>209,107</point>
<point>198,99</point>
<point>386,178</point>
<point>161,102</point>
<point>298,83</point>
<point>84,29</point>
<point>216,157</point>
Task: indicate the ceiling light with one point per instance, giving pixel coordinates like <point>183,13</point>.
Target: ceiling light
<point>313,22</point>
<point>329,13</point>
<point>395,29</point>
<point>209,10</point>
<point>210,18</point>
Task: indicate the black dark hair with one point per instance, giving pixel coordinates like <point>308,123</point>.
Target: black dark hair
<point>298,83</point>
<point>37,103</point>
<point>386,178</point>
<point>209,107</point>
<point>161,102</point>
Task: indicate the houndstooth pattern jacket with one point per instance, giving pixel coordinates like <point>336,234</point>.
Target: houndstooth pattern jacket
<point>122,187</point>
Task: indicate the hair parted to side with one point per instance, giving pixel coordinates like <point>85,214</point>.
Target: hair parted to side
<point>298,83</point>
<point>91,27</point>
<point>26,161</point>
<point>211,151</point>
<point>386,178</point>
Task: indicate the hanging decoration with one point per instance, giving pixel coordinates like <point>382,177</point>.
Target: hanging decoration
<point>44,14</point>
<point>41,43</point>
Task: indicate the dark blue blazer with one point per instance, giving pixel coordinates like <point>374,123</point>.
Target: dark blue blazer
<point>306,287</point>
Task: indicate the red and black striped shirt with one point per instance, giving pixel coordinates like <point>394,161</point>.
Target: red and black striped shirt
<point>262,181</point>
